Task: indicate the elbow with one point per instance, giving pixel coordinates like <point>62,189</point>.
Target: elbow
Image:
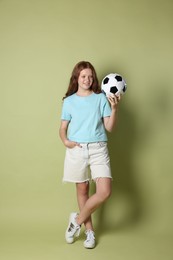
<point>110,126</point>
<point>109,129</point>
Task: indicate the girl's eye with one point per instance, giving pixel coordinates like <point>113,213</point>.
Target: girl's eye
<point>90,77</point>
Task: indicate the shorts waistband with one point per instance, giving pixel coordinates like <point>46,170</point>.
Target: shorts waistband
<point>101,143</point>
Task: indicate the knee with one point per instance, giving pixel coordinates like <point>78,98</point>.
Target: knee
<point>104,195</point>
<point>83,189</point>
<point>107,194</point>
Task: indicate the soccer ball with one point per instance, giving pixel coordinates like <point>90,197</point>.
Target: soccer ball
<point>113,83</point>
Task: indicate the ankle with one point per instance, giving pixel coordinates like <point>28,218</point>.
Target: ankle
<point>89,229</point>
<point>78,221</point>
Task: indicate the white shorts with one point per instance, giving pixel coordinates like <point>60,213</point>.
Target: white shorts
<point>79,160</point>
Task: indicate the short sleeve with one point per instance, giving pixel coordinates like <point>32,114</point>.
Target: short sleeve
<point>65,115</point>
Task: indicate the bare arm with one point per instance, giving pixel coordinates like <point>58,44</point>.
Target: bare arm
<point>110,122</point>
<point>63,135</point>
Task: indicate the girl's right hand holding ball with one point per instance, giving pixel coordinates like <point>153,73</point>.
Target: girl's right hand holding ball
<point>114,100</point>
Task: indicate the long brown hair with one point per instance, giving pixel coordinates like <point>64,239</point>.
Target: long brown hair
<point>73,84</point>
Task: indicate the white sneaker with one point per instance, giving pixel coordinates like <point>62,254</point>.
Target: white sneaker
<point>90,239</point>
<point>73,229</point>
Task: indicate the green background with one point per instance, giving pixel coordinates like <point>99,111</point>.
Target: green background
<point>40,42</point>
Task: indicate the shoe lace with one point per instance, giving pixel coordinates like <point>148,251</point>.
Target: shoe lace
<point>90,235</point>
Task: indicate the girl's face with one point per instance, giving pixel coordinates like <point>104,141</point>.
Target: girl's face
<point>85,79</point>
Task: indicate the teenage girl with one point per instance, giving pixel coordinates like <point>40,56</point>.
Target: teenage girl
<point>86,116</point>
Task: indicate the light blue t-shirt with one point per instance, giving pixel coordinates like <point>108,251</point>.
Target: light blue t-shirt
<point>86,117</point>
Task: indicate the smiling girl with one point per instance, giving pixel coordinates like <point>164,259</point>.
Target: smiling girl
<point>86,116</point>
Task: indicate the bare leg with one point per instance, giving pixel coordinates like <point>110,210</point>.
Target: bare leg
<point>103,191</point>
<point>82,190</point>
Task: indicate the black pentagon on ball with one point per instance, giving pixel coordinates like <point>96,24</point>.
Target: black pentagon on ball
<point>105,81</point>
<point>118,78</point>
<point>124,89</point>
<point>113,89</point>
